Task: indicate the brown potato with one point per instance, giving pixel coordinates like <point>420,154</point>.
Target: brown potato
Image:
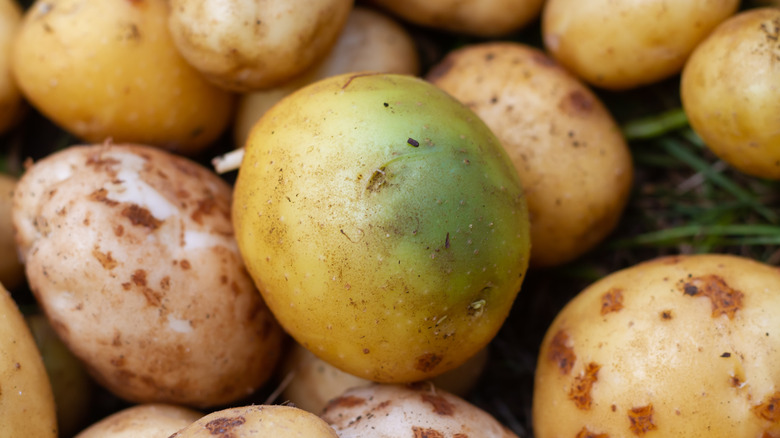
<point>141,421</point>
<point>575,165</point>
<point>622,44</point>
<point>109,69</point>
<point>730,92</point>
<point>131,254</point>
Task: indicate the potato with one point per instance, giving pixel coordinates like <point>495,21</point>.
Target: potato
<point>420,410</point>
<point>26,400</point>
<point>109,69</point>
<point>130,252</point>
<point>315,382</point>
<point>370,41</point>
<point>573,161</point>
<point>250,45</point>
<point>11,269</point>
<point>730,92</point>
<point>383,223</point>
<point>146,420</point>
<point>485,18</point>
<point>12,104</point>
<point>260,422</point>
<point>676,347</point>
<point>625,44</point>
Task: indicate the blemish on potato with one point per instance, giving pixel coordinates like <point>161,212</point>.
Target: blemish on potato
<point>666,315</point>
<point>440,405</point>
<point>769,409</point>
<point>612,301</point>
<point>641,419</point>
<point>185,264</point>
<point>724,299</point>
<point>561,352</point>
<point>348,401</point>
<point>105,259</point>
<point>141,216</point>
<point>427,362</point>
<point>101,195</point>
<point>585,433</point>
<point>580,391</point>
<point>420,432</point>
<point>576,103</point>
<point>222,426</point>
<point>204,208</point>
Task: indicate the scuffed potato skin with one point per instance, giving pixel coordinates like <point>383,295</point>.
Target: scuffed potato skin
<point>130,252</point>
<point>575,166</point>
<point>678,346</point>
<point>624,44</point>
<point>730,92</point>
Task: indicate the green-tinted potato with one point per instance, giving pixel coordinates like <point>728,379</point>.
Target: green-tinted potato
<point>383,223</point>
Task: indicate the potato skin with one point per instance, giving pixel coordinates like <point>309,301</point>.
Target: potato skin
<point>625,44</point>
<point>676,347</point>
<point>12,104</point>
<point>144,420</point>
<point>574,163</point>
<point>26,400</point>
<point>109,69</point>
<point>730,92</point>
<point>246,45</point>
<point>130,252</point>
<point>258,421</point>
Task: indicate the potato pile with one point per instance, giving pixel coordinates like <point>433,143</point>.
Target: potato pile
<point>314,218</point>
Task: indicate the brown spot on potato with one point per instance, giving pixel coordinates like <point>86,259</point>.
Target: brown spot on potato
<point>185,264</point>
<point>641,419</point>
<point>420,432</point>
<point>105,259</point>
<point>580,391</point>
<point>141,216</point>
<point>440,404</point>
<point>585,433</point>
<point>223,426</point>
<point>101,195</point>
<point>612,301</point>
<point>769,409</point>
<point>725,300</point>
<point>347,401</point>
<point>666,315</point>
<point>119,230</point>
<point>577,103</point>
<point>561,353</point>
<point>139,277</point>
<point>205,207</point>
<point>165,283</point>
<point>427,362</point>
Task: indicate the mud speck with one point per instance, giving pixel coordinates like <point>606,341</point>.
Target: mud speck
<point>141,217</point>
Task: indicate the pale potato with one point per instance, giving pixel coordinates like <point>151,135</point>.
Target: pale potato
<point>573,161</point>
<point>419,410</point>
<point>11,268</point>
<point>12,104</point>
<point>258,421</point>
<point>246,45</point>
<point>26,400</point>
<point>151,420</point>
<point>623,44</point>
<point>130,252</point>
<point>486,18</point>
<point>680,346</point>
<point>370,41</point>
<point>109,69</point>
<point>730,92</point>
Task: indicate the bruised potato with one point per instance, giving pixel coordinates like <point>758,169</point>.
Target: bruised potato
<point>26,400</point>
<point>130,252</point>
<point>625,44</point>
<point>370,41</point>
<point>12,105</point>
<point>258,422</point>
<point>574,163</point>
<point>730,92</point>
<point>419,410</point>
<point>145,420</point>
<point>675,347</point>
<point>11,269</point>
<point>109,69</point>
<point>249,45</point>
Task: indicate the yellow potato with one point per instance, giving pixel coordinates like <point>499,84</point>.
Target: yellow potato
<point>258,422</point>
<point>109,69</point>
<point>145,420</point>
<point>370,41</point>
<point>12,105</point>
<point>730,92</point>
<point>26,400</point>
<point>622,44</point>
<point>487,18</point>
<point>575,165</point>
<point>249,45</point>
<point>681,346</point>
<point>11,268</point>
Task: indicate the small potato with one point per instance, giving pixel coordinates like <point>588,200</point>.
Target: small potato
<point>623,44</point>
<point>575,166</point>
<point>140,421</point>
<point>419,410</point>
<point>11,268</point>
<point>258,422</point>
<point>109,69</point>
<point>130,252</point>
<point>486,18</point>
<point>730,92</point>
<point>682,346</point>
<point>250,45</point>
<point>370,41</point>
<point>26,400</point>
<point>12,104</point>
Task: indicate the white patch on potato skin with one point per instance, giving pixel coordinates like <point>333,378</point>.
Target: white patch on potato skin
<point>133,189</point>
<point>179,325</point>
<point>197,239</point>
